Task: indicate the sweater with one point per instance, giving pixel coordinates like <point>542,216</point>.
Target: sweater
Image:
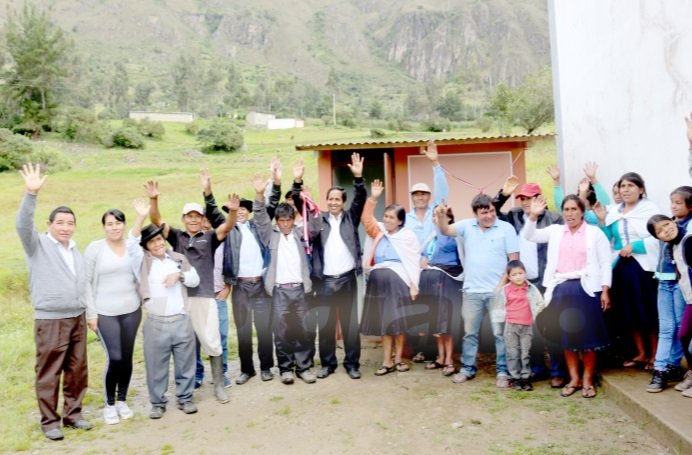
<point>56,292</point>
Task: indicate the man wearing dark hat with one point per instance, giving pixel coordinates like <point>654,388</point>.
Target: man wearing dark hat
<point>240,262</point>
<point>164,277</point>
<point>534,257</point>
<point>199,246</point>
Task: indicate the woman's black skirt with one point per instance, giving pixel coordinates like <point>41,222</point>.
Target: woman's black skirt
<point>387,299</point>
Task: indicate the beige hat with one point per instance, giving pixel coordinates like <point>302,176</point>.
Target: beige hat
<point>420,187</point>
<point>193,207</point>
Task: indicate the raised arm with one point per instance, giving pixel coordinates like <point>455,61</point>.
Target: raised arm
<point>211,209</point>
<point>450,230</point>
<point>360,194</point>
<point>261,218</point>
<point>439,178</point>
<point>134,250</point>
<point>26,229</point>
<point>505,192</point>
<point>298,173</point>
<point>558,194</point>
<point>275,192</point>
<point>228,224</point>
<point>590,169</point>
<point>368,216</point>
<point>152,189</point>
<point>530,233</point>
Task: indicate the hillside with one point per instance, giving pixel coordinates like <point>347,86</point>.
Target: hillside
<point>359,48</point>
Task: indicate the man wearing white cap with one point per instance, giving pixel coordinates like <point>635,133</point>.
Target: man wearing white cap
<point>198,247</point>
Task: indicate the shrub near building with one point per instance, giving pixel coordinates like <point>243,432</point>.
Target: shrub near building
<point>220,136</point>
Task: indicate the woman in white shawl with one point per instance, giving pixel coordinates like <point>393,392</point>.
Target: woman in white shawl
<point>391,260</point>
<point>634,289</point>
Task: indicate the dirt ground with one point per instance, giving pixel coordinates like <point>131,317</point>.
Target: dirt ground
<point>401,413</point>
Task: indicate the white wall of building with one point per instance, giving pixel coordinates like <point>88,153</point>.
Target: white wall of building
<point>178,117</point>
<point>622,74</point>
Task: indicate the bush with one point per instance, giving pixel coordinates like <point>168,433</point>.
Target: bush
<point>484,123</point>
<point>128,137</point>
<point>15,150</point>
<point>51,160</point>
<point>436,126</point>
<point>151,128</point>
<point>107,114</point>
<point>81,125</point>
<point>376,133</point>
<point>220,136</point>
<point>192,128</point>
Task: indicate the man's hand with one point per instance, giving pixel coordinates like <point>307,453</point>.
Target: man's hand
<point>205,180</point>
<point>259,183</point>
<point>93,324</point>
<point>171,279</point>
<point>538,206</point>
<point>510,185</point>
<point>430,151</point>
<point>276,171</point>
<point>376,189</point>
<point>32,177</point>
<point>554,173</point>
<point>233,202</point>
<point>298,171</point>
<point>356,165</point>
<point>152,189</point>
<point>590,169</point>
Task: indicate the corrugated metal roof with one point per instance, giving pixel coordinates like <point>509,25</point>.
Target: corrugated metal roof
<point>418,140</point>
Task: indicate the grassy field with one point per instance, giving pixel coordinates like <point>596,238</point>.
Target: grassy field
<point>104,178</point>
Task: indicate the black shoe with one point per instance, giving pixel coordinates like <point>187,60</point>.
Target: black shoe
<point>526,385</point>
<point>266,375</point>
<point>243,378</point>
<point>674,374</point>
<point>80,424</point>
<point>353,373</point>
<point>324,372</point>
<point>659,381</point>
<point>515,384</point>
<point>198,383</point>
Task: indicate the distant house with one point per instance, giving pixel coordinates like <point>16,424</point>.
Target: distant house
<point>269,121</point>
<point>473,164</point>
<point>174,117</point>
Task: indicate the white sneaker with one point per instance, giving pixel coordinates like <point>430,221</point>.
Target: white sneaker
<point>110,415</point>
<point>686,383</point>
<point>123,410</point>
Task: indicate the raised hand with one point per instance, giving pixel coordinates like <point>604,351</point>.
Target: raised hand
<point>538,206</point>
<point>152,189</point>
<point>554,173</point>
<point>584,187</point>
<point>600,211</point>
<point>356,165</point>
<point>430,151</point>
<point>441,212</point>
<point>307,191</point>
<point>32,177</point>
<point>275,169</point>
<point>205,180</point>
<point>141,207</point>
<point>376,189</point>
<point>510,185</point>
<point>298,170</point>
<point>590,169</point>
<point>259,183</point>
<point>233,202</point>
<point>688,122</point>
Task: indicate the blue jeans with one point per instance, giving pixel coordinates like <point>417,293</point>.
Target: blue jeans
<point>223,331</point>
<point>671,306</point>
<point>472,310</point>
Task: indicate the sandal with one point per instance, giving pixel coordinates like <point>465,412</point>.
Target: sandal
<point>418,358</point>
<point>588,392</point>
<point>568,390</point>
<point>401,367</point>
<point>649,366</point>
<point>448,370</point>
<point>384,369</point>
<point>433,365</point>
<point>632,363</point>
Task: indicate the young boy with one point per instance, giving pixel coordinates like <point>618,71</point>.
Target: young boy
<point>517,304</point>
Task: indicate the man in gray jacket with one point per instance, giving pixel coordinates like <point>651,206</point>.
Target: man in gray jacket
<point>57,285</point>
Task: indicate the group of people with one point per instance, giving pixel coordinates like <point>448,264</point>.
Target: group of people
<point>547,281</point>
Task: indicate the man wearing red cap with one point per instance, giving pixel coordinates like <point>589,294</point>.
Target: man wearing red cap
<point>534,257</point>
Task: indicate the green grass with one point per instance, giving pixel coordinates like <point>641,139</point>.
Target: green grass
<point>104,178</point>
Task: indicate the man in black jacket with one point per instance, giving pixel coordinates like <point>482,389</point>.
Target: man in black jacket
<point>336,261</point>
<point>534,257</point>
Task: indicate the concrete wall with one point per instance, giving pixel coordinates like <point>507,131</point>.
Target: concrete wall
<point>178,117</point>
<point>284,123</point>
<point>622,73</point>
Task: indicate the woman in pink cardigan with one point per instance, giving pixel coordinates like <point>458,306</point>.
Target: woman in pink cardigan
<point>391,262</point>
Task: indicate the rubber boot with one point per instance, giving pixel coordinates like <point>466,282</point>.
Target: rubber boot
<point>217,374</point>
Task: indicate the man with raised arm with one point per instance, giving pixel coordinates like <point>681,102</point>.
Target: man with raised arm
<point>198,247</point>
<point>163,280</point>
<point>241,262</point>
<point>336,260</point>
<point>489,244</point>
<point>57,285</point>
<point>287,281</point>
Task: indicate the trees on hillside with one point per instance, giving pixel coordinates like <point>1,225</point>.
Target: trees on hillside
<point>38,51</point>
<point>530,105</point>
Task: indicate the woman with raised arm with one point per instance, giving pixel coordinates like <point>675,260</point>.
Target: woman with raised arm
<point>113,310</point>
<point>577,281</point>
<point>391,260</point>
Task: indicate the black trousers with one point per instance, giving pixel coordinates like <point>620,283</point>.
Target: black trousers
<point>290,310</point>
<point>338,296</point>
<point>252,304</point>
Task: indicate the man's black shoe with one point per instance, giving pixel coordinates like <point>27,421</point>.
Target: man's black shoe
<point>324,372</point>
<point>354,373</point>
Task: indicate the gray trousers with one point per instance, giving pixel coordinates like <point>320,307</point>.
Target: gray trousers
<point>518,346</point>
<point>163,336</point>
